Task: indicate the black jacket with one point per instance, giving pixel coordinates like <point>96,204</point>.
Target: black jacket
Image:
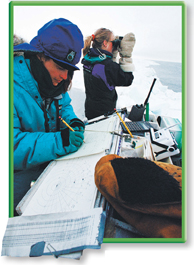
<point>101,75</point>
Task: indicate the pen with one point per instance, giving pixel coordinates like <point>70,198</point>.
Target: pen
<point>67,125</point>
<point>123,123</point>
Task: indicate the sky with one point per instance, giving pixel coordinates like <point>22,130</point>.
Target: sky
<point>158,29</point>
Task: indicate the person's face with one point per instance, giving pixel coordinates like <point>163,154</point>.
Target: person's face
<point>107,45</point>
<point>57,73</point>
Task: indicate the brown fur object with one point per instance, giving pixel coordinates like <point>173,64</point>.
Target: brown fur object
<point>142,181</point>
<point>16,41</point>
<point>157,220</point>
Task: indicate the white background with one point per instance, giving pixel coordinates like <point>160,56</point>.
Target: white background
<point>157,28</point>
<point>109,253</point>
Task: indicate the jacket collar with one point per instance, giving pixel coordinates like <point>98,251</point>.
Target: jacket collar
<point>96,55</point>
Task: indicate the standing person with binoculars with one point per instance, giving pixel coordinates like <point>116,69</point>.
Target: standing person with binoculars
<point>101,72</point>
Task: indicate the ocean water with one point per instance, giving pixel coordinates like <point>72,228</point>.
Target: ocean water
<point>170,74</point>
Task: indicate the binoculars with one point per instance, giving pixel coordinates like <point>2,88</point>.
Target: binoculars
<point>116,43</point>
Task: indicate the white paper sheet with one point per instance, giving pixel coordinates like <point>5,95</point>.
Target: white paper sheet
<point>62,231</point>
<point>66,185</point>
<point>97,139</point>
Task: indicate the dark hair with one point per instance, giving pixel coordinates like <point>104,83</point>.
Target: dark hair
<point>99,36</point>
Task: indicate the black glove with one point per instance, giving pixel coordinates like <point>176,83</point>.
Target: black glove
<point>77,123</point>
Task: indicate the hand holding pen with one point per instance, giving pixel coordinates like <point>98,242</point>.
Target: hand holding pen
<point>75,137</point>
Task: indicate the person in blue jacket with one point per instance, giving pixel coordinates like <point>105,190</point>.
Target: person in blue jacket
<point>102,73</point>
<point>42,76</point>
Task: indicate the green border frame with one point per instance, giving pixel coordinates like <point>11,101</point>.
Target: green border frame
<point>184,97</point>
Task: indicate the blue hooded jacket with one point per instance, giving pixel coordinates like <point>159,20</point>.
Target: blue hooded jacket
<point>32,145</point>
